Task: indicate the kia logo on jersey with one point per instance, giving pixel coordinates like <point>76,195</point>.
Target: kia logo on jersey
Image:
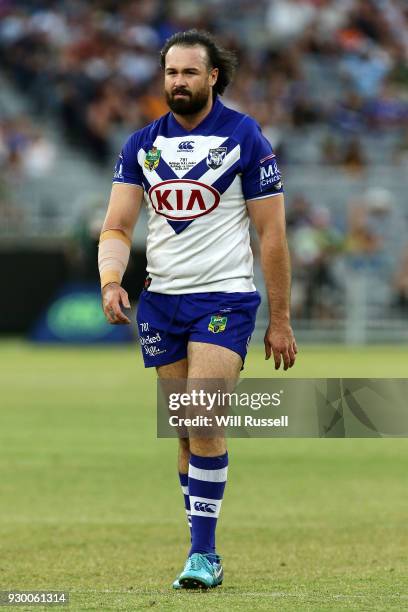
<point>182,199</point>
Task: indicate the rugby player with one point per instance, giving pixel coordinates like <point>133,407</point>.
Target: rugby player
<point>203,171</point>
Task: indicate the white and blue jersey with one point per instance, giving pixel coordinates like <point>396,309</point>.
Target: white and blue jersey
<point>196,184</point>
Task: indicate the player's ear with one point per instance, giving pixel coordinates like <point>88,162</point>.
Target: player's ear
<point>213,76</point>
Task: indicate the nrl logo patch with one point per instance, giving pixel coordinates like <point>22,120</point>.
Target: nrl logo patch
<point>152,158</point>
<point>217,324</point>
<point>215,157</point>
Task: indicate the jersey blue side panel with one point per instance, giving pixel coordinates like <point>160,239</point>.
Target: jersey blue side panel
<point>127,169</point>
<point>260,172</point>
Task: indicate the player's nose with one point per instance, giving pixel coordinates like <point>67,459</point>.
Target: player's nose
<point>179,82</point>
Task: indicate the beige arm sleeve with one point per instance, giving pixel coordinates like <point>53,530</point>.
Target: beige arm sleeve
<point>113,256</point>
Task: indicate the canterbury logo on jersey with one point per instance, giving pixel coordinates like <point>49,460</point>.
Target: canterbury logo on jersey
<point>205,507</point>
<point>186,145</point>
<point>182,199</point>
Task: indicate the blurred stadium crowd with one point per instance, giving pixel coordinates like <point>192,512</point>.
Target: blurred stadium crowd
<point>95,64</point>
<point>326,79</point>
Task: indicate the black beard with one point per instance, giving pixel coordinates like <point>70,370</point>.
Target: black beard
<point>187,106</point>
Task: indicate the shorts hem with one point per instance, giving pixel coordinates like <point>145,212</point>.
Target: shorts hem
<point>165,361</point>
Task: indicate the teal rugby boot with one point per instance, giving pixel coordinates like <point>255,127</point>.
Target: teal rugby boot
<point>201,572</point>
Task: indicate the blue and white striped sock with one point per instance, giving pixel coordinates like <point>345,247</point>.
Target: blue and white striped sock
<point>184,488</point>
<point>207,477</point>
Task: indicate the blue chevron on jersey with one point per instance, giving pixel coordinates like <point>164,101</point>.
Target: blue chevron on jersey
<point>203,166</point>
<point>196,184</point>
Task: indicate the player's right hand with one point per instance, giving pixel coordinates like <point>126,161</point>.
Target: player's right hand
<point>113,297</point>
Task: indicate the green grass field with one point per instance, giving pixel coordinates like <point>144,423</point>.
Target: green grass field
<point>90,500</point>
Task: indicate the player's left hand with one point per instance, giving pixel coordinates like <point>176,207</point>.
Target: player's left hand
<point>280,341</point>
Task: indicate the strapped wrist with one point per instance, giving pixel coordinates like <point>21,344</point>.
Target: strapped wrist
<point>113,256</point>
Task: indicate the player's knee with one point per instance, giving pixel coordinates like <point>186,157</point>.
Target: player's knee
<point>208,447</point>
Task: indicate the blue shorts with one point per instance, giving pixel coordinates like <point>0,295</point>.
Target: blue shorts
<point>166,323</point>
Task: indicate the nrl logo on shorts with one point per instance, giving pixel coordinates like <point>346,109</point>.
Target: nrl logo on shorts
<point>152,158</point>
<point>216,157</point>
<point>217,324</point>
